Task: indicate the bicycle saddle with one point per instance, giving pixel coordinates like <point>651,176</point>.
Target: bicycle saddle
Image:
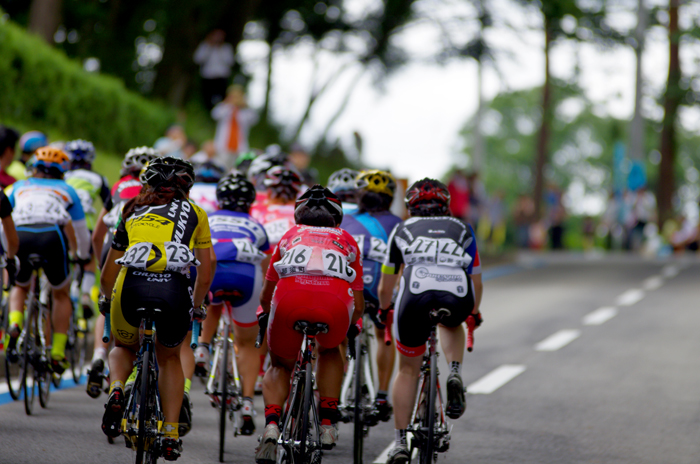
<point>437,315</point>
<point>34,260</point>
<point>310,328</point>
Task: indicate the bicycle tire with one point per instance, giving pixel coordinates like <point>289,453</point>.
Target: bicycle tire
<point>27,353</point>
<point>44,373</point>
<point>359,409</point>
<point>428,451</point>
<point>13,371</point>
<point>78,351</point>
<point>143,407</point>
<point>308,394</point>
<point>223,388</point>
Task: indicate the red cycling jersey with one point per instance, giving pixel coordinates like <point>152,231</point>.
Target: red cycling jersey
<point>317,269</point>
<point>276,219</point>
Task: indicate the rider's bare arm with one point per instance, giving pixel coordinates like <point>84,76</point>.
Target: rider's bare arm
<point>204,274</point>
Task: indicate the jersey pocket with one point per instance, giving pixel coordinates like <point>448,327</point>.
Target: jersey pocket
<point>446,279</point>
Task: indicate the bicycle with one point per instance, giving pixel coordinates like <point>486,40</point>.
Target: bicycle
<point>76,345</point>
<point>13,371</point>
<point>430,433</point>
<point>143,412</point>
<point>357,393</point>
<point>300,437</point>
<point>224,383</point>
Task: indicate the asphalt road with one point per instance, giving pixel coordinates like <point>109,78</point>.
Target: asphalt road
<point>549,381</point>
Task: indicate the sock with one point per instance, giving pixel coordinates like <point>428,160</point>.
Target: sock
<point>273,412</point>
<point>382,395</point>
<point>58,346</point>
<point>16,317</point>
<point>456,367</point>
<point>247,406</point>
<point>132,377</point>
<point>99,353</point>
<point>188,385</point>
<point>328,410</point>
<point>170,430</point>
<point>400,438</point>
<point>88,282</point>
<point>115,384</point>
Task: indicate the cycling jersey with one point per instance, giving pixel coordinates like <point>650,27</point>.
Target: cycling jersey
<point>371,232</point>
<point>38,201</point>
<point>239,242</point>
<point>5,211</point>
<point>124,189</point>
<point>277,219</point>
<point>204,196</point>
<point>161,238</point>
<point>317,269</point>
<point>89,186</point>
<point>439,254</point>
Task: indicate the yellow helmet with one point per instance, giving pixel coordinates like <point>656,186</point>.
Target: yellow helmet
<point>374,180</point>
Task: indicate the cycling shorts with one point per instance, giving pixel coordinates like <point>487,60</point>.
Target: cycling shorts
<point>49,243</point>
<point>412,314</point>
<point>312,299</point>
<point>168,291</point>
<point>240,284</point>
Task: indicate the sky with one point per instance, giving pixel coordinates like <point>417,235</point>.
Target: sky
<point>411,123</point>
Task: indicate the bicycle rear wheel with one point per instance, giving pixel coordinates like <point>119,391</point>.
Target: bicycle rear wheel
<point>308,397</point>
<point>427,454</point>
<point>223,388</point>
<point>29,373</point>
<point>76,350</point>
<point>143,407</point>
<point>13,370</point>
<point>359,409</point>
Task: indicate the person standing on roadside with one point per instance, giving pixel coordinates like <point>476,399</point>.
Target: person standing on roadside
<point>233,123</point>
<point>215,58</point>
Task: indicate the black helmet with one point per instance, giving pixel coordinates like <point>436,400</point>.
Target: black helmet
<point>169,174</point>
<point>322,197</point>
<point>428,197</point>
<point>208,172</point>
<point>260,165</point>
<point>235,192</point>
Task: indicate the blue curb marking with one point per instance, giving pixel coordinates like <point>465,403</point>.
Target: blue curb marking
<point>5,398</point>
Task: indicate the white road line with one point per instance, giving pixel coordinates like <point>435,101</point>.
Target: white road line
<point>495,379</point>
<point>630,297</point>
<point>670,271</point>
<point>558,340</point>
<point>600,316</point>
<point>653,283</point>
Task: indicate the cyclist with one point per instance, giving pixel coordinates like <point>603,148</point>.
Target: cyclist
<point>441,269</point>
<point>258,168</point>
<point>315,275</point>
<point>203,192</point>
<point>44,209</point>
<point>239,243</point>
<point>244,161</point>
<point>159,236</point>
<point>126,188</point>
<point>371,227</point>
<point>29,143</point>
<point>89,186</point>
<point>277,213</point>
<point>342,183</point>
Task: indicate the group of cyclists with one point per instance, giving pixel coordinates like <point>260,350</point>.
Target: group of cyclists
<point>189,240</point>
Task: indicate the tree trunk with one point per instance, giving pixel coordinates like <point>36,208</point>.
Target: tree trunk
<point>268,85</point>
<point>637,126</point>
<point>672,99</point>
<point>543,137</point>
<point>479,149</point>
<point>44,18</point>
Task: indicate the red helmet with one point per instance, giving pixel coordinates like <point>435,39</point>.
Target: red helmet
<point>428,197</point>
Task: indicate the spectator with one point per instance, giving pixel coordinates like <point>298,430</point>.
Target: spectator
<point>555,216</point>
<point>233,123</point>
<point>8,141</point>
<point>458,186</point>
<point>301,161</point>
<point>206,152</point>
<point>477,199</point>
<point>523,216</point>
<point>172,143</point>
<point>643,211</point>
<point>215,58</point>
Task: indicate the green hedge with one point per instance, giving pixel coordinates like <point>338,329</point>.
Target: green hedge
<point>42,88</point>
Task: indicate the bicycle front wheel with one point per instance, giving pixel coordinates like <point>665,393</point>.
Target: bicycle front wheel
<point>359,409</point>
<point>76,350</point>
<point>223,388</point>
<point>143,407</point>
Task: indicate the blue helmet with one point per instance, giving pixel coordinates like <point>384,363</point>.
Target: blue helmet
<point>31,141</point>
<point>80,151</point>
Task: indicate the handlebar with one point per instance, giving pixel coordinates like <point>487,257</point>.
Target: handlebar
<point>471,325</point>
<point>387,328</point>
<point>262,323</point>
<point>108,329</point>
<point>196,327</point>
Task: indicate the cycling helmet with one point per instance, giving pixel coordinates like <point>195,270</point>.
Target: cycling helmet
<point>320,196</point>
<point>342,181</point>
<point>208,172</point>
<point>235,192</point>
<point>279,178</point>
<point>428,197</point>
<point>376,181</point>
<point>136,159</point>
<point>169,174</point>
<point>32,141</point>
<point>260,165</point>
<point>244,160</point>
<point>80,151</point>
<point>51,161</point>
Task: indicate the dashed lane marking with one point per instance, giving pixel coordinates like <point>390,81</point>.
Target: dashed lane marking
<point>653,283</point>
<point>670,271</point>
<point>558,340</point>
<point>630,297</point>
<point>600,316</point>
<point>495,379</point>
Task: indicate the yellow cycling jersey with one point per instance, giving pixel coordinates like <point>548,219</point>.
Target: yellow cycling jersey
<point>162,238</point>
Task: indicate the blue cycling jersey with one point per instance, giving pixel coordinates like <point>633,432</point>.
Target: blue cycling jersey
<point>237,237</point>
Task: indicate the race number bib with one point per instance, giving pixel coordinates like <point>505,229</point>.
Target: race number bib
<point>34,209</point>
<point>446,279</point>
<point>246,252</point>
<point>377,249</point>
<point>137,256</point>
<point>294,261</point>
<point>179,257</point>
<point>335,264</point>
<point>276,229</point>
<point>442,251</point>
<point>422,250</point>
<point>451,254</point>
